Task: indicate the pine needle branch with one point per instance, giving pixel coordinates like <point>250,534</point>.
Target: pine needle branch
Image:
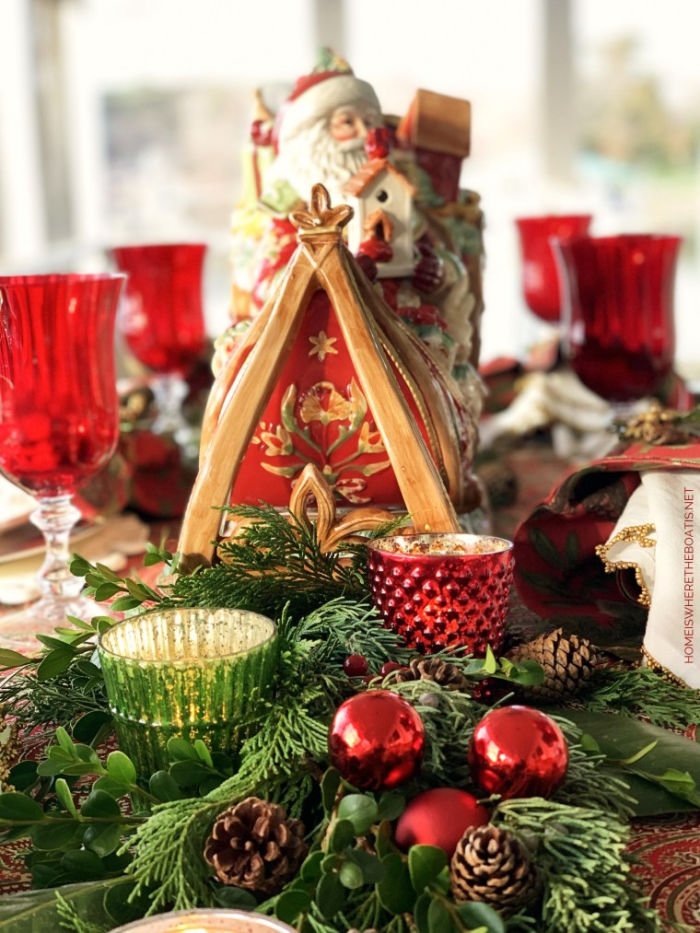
<point>275,560</point>
<point>642,692</point>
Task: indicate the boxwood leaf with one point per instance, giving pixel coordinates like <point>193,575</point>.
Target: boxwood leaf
<point>181,750</point>
<point>100,805</point>
<point>360,809</point>
<point>391,805</point>
<point>395,889</point>
<point>342,835</point>
<point>330,895</point>
<point>54,834</point>
<point>476,914</point>
<point>121,768</point>
<point>163,786</point>
<point>232,897</point>
<point>311,869</point>
<point>424,864</point>
<point>439,919</point>
<point>102,839</point>
<point>18,808</point>
<point>330,782</point>
<point>291,905</point>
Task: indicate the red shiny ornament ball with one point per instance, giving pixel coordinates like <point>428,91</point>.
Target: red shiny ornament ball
<point>517,751</point>
<point>389,667</point>
<point>439,817</point>
<point>376,740</point>
<point>355,665</point>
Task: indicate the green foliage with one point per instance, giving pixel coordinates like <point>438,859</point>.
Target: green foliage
<point>355,878</point>
<point>638,754</point>
<point>86,903</point>
<point>641,691</point>
<point>580,853</point>
<point>276,561</point>
<point>150,858</point>
<point>61,683</point>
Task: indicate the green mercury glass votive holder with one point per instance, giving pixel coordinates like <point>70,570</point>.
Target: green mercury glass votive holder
<point>193,673</point>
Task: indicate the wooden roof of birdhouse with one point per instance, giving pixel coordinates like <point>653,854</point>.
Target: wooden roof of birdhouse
<point>438,123</point>
<point>359,182</point>
<point>374,335</point>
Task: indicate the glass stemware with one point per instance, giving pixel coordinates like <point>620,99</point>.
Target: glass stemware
<point>59,416</point>
<point>540,282</point>
<point>618,326</point>
<point>162,320</point>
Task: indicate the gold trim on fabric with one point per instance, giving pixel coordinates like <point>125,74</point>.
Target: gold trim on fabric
<point>660,669</point>
<point>639,534</point>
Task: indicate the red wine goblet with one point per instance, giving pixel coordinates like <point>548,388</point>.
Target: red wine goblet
<point>618,323</point>
<point>162,320</point>
<point>59,415</point>
<point>539,273</point>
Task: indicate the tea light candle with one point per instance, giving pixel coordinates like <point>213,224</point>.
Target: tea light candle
<point>443,590</point>
<point>207,921</point>
<point>195,673</point>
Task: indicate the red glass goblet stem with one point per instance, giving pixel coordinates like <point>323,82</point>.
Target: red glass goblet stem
<point>618,324</point>
<point>59,414</point>
<point>539,274</point>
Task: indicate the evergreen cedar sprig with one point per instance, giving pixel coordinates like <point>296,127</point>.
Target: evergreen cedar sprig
<point>276,560</point>
<point>641,691</point>
<point>580,851</point>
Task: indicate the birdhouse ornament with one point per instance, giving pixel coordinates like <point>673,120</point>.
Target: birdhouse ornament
<point>382,201</point>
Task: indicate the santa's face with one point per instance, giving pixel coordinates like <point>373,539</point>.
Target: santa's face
<point>330,151</point>
<point>350,122</point>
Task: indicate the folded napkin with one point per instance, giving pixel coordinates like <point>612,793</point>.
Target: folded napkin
<point>632,502</point>
<point>657,536</point>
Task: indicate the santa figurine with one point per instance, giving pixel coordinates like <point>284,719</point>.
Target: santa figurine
<point>322,133</point>
<point>413,237</point>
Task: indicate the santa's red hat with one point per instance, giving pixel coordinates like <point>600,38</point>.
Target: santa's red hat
<point>330,85</point>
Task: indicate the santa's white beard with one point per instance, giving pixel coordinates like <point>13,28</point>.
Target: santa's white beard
<point>313,156</point>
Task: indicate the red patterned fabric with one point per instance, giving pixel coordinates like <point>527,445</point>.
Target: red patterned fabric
<point>558,574</point>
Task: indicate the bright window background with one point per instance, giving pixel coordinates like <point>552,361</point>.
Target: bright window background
<point>123,120</point>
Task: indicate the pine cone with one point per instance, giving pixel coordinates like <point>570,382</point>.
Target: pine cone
<point>253,845</point>
<point>568,662</point>
<point>493,866</point>
<point>434,670</point>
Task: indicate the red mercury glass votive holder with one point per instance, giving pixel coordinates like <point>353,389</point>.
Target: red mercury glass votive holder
<point>443,590</point>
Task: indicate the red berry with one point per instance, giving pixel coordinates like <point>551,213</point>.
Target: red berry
<point>355,665</point>
<point>390,666</point>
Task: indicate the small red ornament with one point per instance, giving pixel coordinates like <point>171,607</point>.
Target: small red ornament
<point>439,817</point>
<point>517,751</point>
<point>355,665</point>
<point>389,667</point>
<point>376,740</point>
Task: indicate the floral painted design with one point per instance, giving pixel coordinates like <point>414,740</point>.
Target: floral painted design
<point>328,426</point>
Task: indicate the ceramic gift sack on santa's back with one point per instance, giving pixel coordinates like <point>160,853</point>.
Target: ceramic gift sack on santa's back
<point>414,233</point>
<point>613,554</point>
